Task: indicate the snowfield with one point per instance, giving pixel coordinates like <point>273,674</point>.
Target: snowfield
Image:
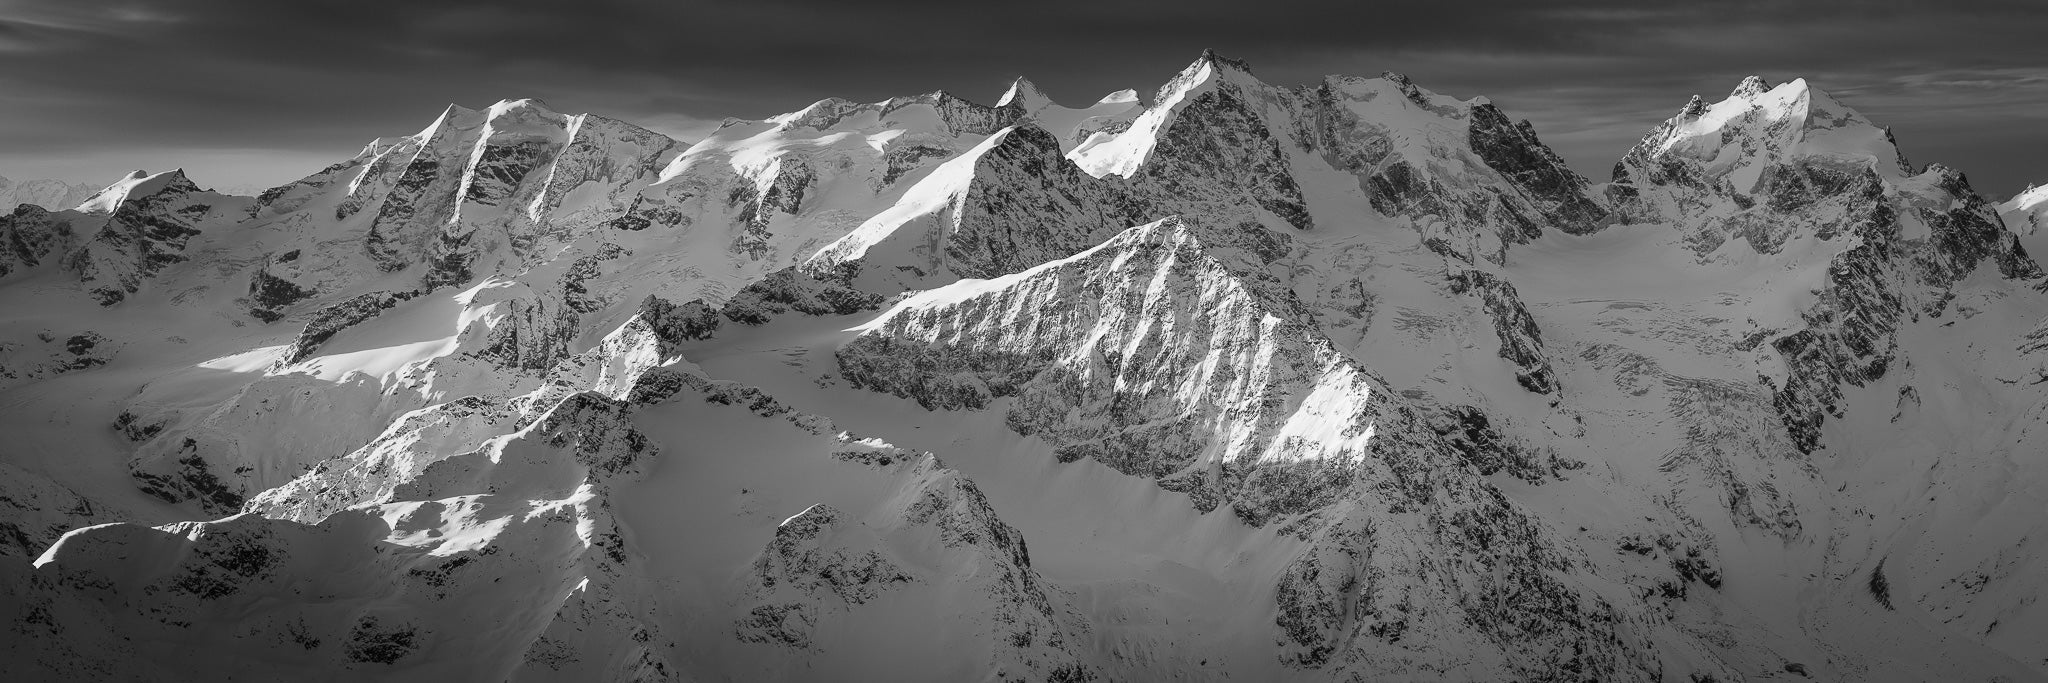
<point>1232,381</point>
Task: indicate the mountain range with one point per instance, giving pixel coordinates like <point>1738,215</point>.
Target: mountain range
<point>1234,381</point>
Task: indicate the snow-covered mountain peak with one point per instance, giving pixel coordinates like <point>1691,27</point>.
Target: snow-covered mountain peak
<point>1024,94</point>
<point>2025,214</point>
<point>1789,148</point>
<point>1757,127</point>
<point>526,104</point>
<point>1122,153</point>
<point>1071,126</point>
<point>2034,196</point>
<point>1206,72</point>
<point>453,117</point>
<point>137,184</point>
<point>2029,204</point>
<point>1125,96</point>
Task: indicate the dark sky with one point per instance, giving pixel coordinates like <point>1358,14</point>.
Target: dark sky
<point>257,92</point>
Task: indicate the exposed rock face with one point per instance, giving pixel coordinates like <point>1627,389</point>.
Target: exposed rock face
<point>1487,182</point>
<point>149,221</point>
<point>782,291</point>
<point>1520,342</point>
<point>1012,202</point>
<point>1219,137</point>
<point>339,316</point>
<point>1512,150</point>
<point>821,560</point>
<point>30,236</point>
<point>799,561</point>
<point>1472,181</point>
<point>49,353</point>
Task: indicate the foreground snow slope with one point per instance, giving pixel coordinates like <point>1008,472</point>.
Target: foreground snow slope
<point>1350,381</point>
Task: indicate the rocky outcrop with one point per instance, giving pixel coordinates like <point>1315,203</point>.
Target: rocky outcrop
<point>333,318</point>
<point>799,563</point>
<point>823,563</point>
<point>758,206</point>
<point>31,235</point>
<point>1521,344</point>
<point>50,353</point>
<point>145,231</point>
<point>789,289</point>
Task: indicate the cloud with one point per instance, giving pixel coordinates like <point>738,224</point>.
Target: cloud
<point>107,75</point>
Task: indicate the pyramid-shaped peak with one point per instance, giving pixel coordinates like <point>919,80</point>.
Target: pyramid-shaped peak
<point>1024,93</point>
<point>1210,57</point>
<point>1206,70</point>
<point>454,116</point>
<point>455,111</point>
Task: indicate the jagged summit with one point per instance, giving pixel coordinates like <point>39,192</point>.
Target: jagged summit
<point>1024,94</point>
<point>136,184</point>
<point>1202,73</point>
<point>1766,150</point>
<point>1750,87</point>
<point>1211,57</point>
<point>1123,154</point>
<point>1758,126</point>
